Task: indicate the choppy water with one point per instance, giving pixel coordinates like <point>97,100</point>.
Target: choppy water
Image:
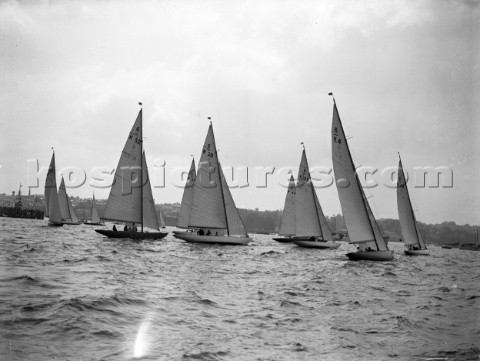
<point>75,295</point>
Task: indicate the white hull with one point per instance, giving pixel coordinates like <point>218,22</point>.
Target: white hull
<point>417,252</point>
<point>316,244</point>
<point>194,238</point>
<point>181,232</point>
<point>371,256</point>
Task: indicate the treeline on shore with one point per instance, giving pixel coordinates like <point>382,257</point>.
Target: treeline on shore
<point>266,222</point>
<point>257,221</point>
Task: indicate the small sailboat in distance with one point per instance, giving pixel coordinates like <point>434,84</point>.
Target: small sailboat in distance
<point>412,238</point>
<point>130,200</point>
<point>213,211</point>
<point>187,198</point>
<point>94,218</point>
<point>52,206</point>
<point>311,228</point>
<point>362,227</point>
<point>287,222</point>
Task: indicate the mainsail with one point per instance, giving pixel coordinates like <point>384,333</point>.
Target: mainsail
<point>208,207</point>
<point>187,198</point>
<point>50,184</point>
<point>306,214</point>
<point>408,223</point>
<point>361,224</point>
<point>212,202</point>
<point>287,223</point>
<point>150,219</point>
<point>51,196</point>
<point>125,199</point>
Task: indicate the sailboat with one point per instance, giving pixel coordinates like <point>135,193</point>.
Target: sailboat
<point>213,212</point>
<point>311,228</point>
<point>362,227</point>
<point>66,209</point>
<point>186,205</point>
<point>52,206</point>
<point>287,223</point>
<point>412,238</point>
<point>161,220</point>
<point>94,219</point>
<point>130,200</point>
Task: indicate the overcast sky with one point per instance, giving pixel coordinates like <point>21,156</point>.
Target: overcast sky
<point>405,75</point>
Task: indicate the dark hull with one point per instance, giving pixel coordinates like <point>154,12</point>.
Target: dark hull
<point>229,240</point>
<point>131,235</point>
<point>283,239</point>
<point>380,256</point>
<point>417,252</point>
<point>55,224</point>
<point>306,243</point>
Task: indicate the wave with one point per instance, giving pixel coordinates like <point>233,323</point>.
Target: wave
<point>206,355</point>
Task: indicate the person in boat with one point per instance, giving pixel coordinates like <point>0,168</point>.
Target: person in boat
<point>209,233</point>
<point>125,229</point>
<point>216,233</point>
<point>200,232</point>
<point>134,227</point>
<point>114,228</point>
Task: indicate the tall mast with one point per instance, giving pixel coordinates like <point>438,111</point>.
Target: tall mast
<point>141,168</point>
<point>355,173</point>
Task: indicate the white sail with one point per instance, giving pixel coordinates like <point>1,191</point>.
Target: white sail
<point>408,223</point>
<point>160,218</point>
<point>235,224</point>
<point>63,201</point>
<point>125,199</point>
<point>73,214</point>
<point>208,209</point>
<point>306,215</point>
<point>50,184</point>
<point>362,226</point>
<point>326,232</point>
<point>150,219</point>
<point>95,218</point>
<point>287,223</point>
<point>186,205</point>
<point>51,195</point>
